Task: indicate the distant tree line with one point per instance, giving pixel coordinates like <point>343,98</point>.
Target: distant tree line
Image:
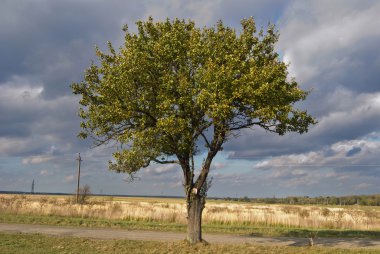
<point>368,200</point>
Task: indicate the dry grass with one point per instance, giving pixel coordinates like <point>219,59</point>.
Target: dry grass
<point>291,215</point>
<point>174,211</point>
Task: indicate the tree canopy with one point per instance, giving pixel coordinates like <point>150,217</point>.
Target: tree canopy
<point>172,87</point>
<point>171,82</point>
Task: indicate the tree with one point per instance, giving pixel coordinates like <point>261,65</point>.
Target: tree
<point>174,91</point>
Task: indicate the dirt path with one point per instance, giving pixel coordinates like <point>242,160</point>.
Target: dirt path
<point>102,233</point>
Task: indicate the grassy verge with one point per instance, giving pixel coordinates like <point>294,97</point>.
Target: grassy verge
<point>263,230</point>
<point>37,243</point>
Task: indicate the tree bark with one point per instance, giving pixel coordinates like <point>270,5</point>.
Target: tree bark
<point>195,205</point>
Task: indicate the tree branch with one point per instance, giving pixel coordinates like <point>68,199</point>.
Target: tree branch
<point>247,125</point>
<point>215,146</point>
<point>205,139</point>
<point>199,131</point>
<point>165,161</point>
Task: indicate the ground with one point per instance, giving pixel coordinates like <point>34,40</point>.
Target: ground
<point>101,233</point>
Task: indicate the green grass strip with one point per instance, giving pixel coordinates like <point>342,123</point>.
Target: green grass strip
<point>259,230</point>
<point>12,243</point>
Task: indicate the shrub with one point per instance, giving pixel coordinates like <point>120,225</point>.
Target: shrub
<point>83,194</point>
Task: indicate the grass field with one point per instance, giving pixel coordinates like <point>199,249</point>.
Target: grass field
<point>216,212</point>
<point>169,215</point>
<point>36,243</point>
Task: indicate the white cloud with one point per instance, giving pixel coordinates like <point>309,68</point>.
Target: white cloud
<point>218,165</point>
<point>332,46</point>
<point>45,172</point>
<point>344,115</point>
<point>362,186</point>
<point>70,178</point>
<point>12,145</point>
<point>345,154</point>
<point>19,90</point>
<point>170,185</point>
<point>38,159</point>
<point>321,36</point>
<point>348,113</point>
<point>162,169</point>
<point>34,124</point>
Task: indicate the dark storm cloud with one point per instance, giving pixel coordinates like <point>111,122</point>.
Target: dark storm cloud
<point>207,13</point>
<point>358,117</point>
<point>45,46</point>
<point>264,12</point>
<point>342,160</point>
<point>353,151</point>
<point>332,47</point>
<point>333,44</point>
<point>355,68</point>
<point>53,41</point>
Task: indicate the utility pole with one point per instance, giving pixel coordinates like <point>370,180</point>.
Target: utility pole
<point>32,190</point>
<point>79,159</point>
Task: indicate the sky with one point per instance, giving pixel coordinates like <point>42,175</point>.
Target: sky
<point>332,48</point>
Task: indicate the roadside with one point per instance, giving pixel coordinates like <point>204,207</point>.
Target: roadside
<point>102,233</point>
<point>162,226</point>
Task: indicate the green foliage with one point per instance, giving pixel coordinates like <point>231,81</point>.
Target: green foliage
<point>172,86</point>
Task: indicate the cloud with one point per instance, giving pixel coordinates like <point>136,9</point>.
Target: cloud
<point>296,177</point>
<point>362,186</point>
<point>162,169</point>
<point>170,185</point>
<point>53,42</point>
<point>207,13</point>
<point>11,146</point>
<point>264,12</point>
<point>33,123</point>
<point>346,116</point>
<point>45,172</point>
<point>353,151</point>
<point>332,44</point>
<point>352,116</point>
<point>338,158</point>
<point>332,48</point>
<point>70,178</point>
<point>200,11</point>
<point>218,165</point>
<point>39,159</point>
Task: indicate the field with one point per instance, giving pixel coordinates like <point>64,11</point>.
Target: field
<point>169,214</point>
<point>36,243</point>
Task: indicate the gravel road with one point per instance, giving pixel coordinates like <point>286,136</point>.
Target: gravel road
<point>103,233</point>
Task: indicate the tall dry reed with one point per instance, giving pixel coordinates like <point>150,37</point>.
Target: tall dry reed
<point>216,213</point>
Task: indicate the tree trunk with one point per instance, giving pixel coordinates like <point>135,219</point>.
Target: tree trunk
<point>194,218</point>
